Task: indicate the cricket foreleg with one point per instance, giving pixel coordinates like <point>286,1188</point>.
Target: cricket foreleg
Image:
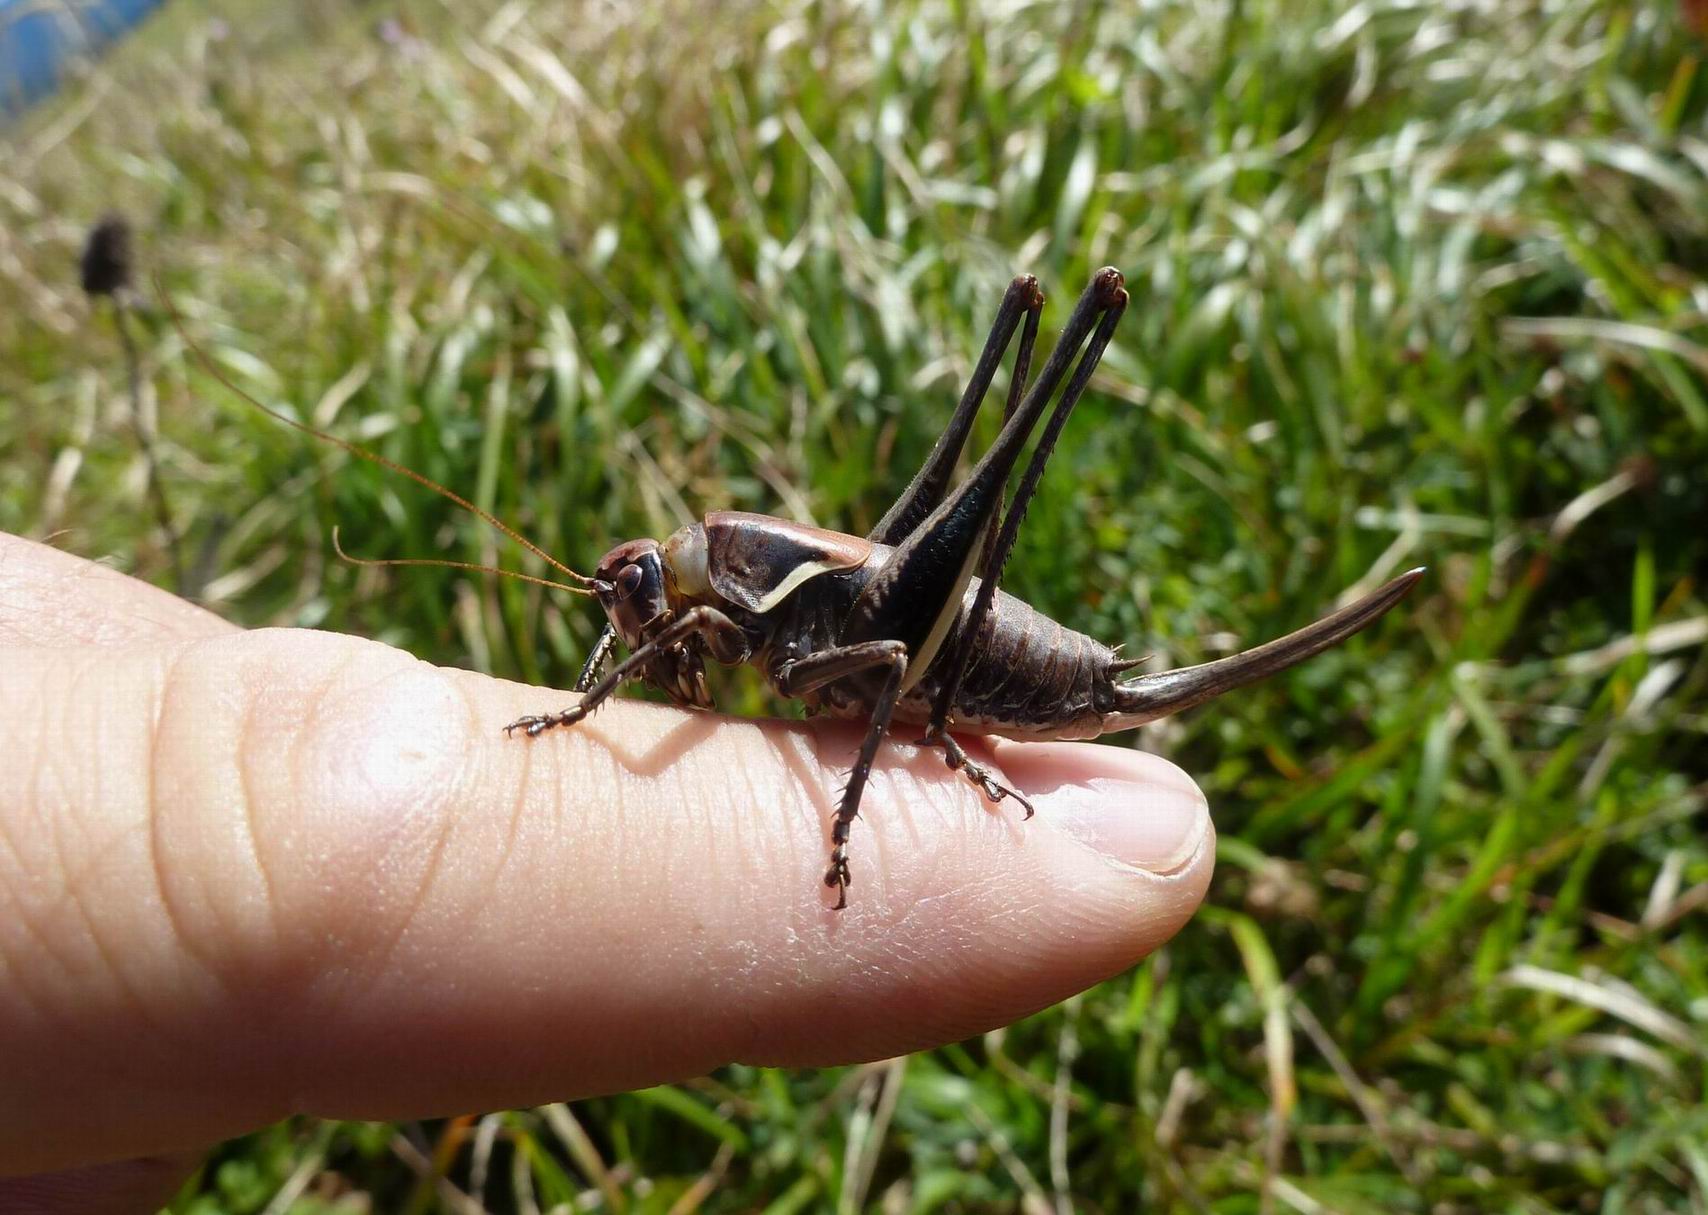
<point>814,671</point>
<point>596,659</point>
<point>721,636</point>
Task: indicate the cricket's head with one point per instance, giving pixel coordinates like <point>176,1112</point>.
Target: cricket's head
<point>630,585</point>
<point>635,591</point>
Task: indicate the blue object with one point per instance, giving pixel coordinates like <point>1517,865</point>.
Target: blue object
<point>39,38</point>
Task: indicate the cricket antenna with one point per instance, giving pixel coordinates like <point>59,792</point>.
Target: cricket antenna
<point>374,457</point>
<point>455,565</point>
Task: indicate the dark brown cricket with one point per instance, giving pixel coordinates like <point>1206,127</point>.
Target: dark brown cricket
<point>906,624</point>
<point>895,626</point>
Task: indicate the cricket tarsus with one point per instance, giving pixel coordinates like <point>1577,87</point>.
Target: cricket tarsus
<point>958,760</point>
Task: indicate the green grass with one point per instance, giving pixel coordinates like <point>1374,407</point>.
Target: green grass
<point>1411,285</point>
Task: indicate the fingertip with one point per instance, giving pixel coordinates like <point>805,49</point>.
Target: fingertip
<point>1130,806</point>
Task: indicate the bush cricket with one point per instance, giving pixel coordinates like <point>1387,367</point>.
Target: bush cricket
<point>906,625</point>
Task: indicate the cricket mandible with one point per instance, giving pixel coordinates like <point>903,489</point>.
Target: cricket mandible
<point>906,625</point>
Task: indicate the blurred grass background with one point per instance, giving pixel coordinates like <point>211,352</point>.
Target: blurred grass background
<point>1412,283</point>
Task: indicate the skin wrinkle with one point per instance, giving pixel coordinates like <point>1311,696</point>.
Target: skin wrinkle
<point>620,801</point>
<point>436,846</point>
<point>11,849</point>
<point>933,1014</point>
<point>791,748</point>
<point>38,1003</point>
<point>744,774</point>
<point>900,787</point>
<point>78,902</point>
<point>881,964</point>
<point>43,1005</point>
<point>518,798</point>
<point>738,844</point>
<point>37,774</point>
<point>172,683</point>
<point>616,829</point>
<point>776,783</point>
<point>246,791</point>
<point>379,952</point>
<point>168,683</point>
<point>683,863</point>
<point>926,922</point>
<point>45,940</point>
<point>152,797</point>
<point>445,821</point>
<point>149,810</point>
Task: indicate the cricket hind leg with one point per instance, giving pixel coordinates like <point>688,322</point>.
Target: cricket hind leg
<point>996,556</point>
<point>1016,390</point>
<point>931,482</point>
<point>912,603</point>
<point>916,596</point>
<point>808,674</point>
<point>958,760</point>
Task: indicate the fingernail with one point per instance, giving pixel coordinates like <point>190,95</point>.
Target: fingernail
<point>1133,808</point>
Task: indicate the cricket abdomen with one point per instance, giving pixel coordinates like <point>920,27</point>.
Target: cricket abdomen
<point>1030,677</point>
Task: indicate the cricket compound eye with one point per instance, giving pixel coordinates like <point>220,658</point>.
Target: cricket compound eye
<point>628,582</point>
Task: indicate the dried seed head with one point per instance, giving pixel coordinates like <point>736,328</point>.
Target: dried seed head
<point>107,260</point>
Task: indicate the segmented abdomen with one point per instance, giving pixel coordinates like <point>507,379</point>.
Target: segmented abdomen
<point>1031,677</point>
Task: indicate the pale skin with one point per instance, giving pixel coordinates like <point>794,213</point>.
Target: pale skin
<point>250,874</point>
